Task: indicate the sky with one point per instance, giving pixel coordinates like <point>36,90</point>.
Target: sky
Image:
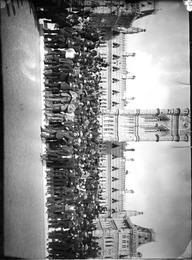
<point>161,173</point>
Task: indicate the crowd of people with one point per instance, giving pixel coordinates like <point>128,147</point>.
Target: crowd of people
<point>72,131</point>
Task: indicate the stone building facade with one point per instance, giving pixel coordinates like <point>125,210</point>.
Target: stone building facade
<point>117,236</point>
<point>118,13</point>
<point>129,125</point>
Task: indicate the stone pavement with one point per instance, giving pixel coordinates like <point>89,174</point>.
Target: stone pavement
<point>24,211</point>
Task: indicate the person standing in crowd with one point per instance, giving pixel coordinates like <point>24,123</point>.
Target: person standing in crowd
<point>71,134</point>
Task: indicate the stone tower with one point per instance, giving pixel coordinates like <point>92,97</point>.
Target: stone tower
<point>118,237</point>
<point>146,125</point>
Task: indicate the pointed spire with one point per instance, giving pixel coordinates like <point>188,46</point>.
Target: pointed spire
<point>130,159</point>
<point>133,30</point>
<point>131,98</point>
<point>133,213</point>
<point>129,149</point>
<point>129,191</point>
<point>129,54</point>
<point>137,30</point>
<point>129,77</point>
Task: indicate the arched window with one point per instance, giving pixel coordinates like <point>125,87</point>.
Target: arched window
<point>114,179</point>
<point>114,168</point>
<point>114,145</point>
<point>114,200</point>
<point>114,103</point>
<point>115,45</point>
<point>115,92</point>
<point>115,57</point>
<point>114,156</point>
<point>115,68</point>
<point>113,189</point>
<point>115,80</point>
